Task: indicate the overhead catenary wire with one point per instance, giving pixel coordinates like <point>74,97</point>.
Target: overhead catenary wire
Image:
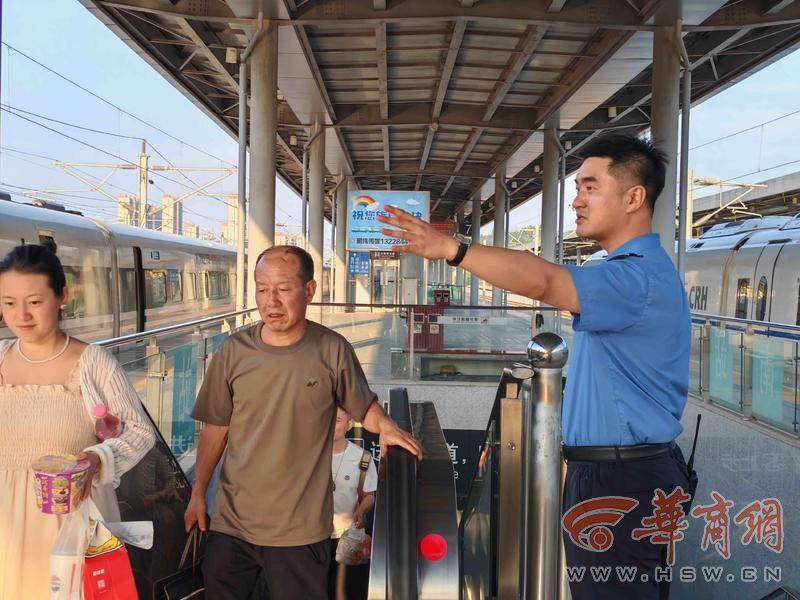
<point>119,108</point>
<point>68,124</point>
<point>85,143</point>
<point>14,110</point>
<point>75,194</point>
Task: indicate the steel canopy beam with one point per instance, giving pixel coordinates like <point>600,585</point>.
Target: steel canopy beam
<point>750,13</point>
<point>456,38</point>
<point>386,149</point>
<point>219,67</point>
<point>383,86</point>
<point>599,14</point>
<point>418,114</point>
<point>530,41</point>
<point>436,168</point>
<point>773,7</point>
<point>213,12</point>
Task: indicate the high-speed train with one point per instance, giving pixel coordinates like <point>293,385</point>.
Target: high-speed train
<point>124,279</point>
<point>748,269</point>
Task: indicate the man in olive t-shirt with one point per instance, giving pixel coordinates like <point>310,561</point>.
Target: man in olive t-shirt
<point>271,394</point>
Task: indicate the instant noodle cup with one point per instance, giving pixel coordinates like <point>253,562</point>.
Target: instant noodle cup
<point>58,480</point>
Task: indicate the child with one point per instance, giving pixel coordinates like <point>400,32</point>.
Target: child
<point>355,480</point>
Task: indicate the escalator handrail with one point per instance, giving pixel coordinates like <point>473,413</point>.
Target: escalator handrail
<point>401,493</point>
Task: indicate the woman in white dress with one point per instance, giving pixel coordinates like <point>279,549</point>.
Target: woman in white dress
<point>49,385</point>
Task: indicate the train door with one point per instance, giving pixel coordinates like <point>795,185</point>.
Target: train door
<point>739,285</point>
<point>785,302</point>
<point>141,321</point>
<point>763,281</point>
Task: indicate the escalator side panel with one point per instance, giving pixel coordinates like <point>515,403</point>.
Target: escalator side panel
<point>436,506</point>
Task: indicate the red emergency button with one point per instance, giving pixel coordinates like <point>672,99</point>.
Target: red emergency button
<point>433,547</point>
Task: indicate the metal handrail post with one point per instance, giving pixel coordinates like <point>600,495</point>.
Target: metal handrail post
<point>705,362</point>
<point>746,391</point>
<point>547,353</point>
<point>411,326</point>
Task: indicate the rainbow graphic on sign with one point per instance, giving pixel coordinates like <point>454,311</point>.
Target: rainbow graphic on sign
<point>363,202</point>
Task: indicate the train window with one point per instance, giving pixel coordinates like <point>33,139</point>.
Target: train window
<point>127,279</point>
<point>88,292</point>
<point>742,294</point>
<point>174,292</point>
<point>188,286</point>
<point>223,284</point>
<point>761,299</point>
<point>155,288</point>
<point>202,286</point>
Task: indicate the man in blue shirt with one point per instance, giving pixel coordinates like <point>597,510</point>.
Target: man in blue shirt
<point>630,359</point>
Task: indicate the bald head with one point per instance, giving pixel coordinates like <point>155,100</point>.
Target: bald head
<point>288,255</point>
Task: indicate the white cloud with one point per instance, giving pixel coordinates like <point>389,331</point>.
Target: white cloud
<point>412,202</point>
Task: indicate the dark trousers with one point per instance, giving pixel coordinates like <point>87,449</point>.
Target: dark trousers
<point>347,582</point>
<point>636,479</point>
<point>231,569</point>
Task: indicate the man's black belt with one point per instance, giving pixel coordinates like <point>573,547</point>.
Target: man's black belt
<point>612,453</point>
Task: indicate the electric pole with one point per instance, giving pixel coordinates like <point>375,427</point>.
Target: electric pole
<point>143,178</point>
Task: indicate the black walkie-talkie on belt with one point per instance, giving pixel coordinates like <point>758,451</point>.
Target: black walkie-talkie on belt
<point>690,465</point>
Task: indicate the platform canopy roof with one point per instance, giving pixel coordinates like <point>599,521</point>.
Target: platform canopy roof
<point>436,94</point>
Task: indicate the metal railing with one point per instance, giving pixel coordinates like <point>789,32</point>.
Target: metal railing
<point>750,367</point>
<point>393,343</point>
<point>166,366</point>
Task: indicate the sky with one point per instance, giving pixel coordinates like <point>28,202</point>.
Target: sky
<point>127,100</point>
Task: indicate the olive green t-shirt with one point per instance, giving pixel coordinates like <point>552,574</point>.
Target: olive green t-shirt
<point>280,405</point>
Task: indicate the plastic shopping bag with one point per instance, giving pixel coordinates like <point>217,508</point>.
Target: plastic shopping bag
<point>353,547</point>
<point>108,574</point>
<point>67,555</point>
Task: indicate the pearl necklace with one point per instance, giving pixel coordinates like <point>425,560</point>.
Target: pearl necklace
<point>39,362</point>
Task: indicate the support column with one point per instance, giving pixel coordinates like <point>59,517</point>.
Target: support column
<point>316,204</point>
<point>474,290</point>
<point>664,117</point>
<point>339,257</point>
<point>549,194</point>
<point>499,222</point>
<point>241,214</point>
<point>350,290</point>
<point>263,149</point>
<point>460,274</point>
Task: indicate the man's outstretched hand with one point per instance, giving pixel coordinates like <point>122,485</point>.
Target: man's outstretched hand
<point>423,240</point>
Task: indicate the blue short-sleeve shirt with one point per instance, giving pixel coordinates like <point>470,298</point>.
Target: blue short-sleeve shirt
<point>629,361</point>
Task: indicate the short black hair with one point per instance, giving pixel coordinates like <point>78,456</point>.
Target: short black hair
<point>36,260</point>
<point>634,157</point>
<point>306,262</point>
